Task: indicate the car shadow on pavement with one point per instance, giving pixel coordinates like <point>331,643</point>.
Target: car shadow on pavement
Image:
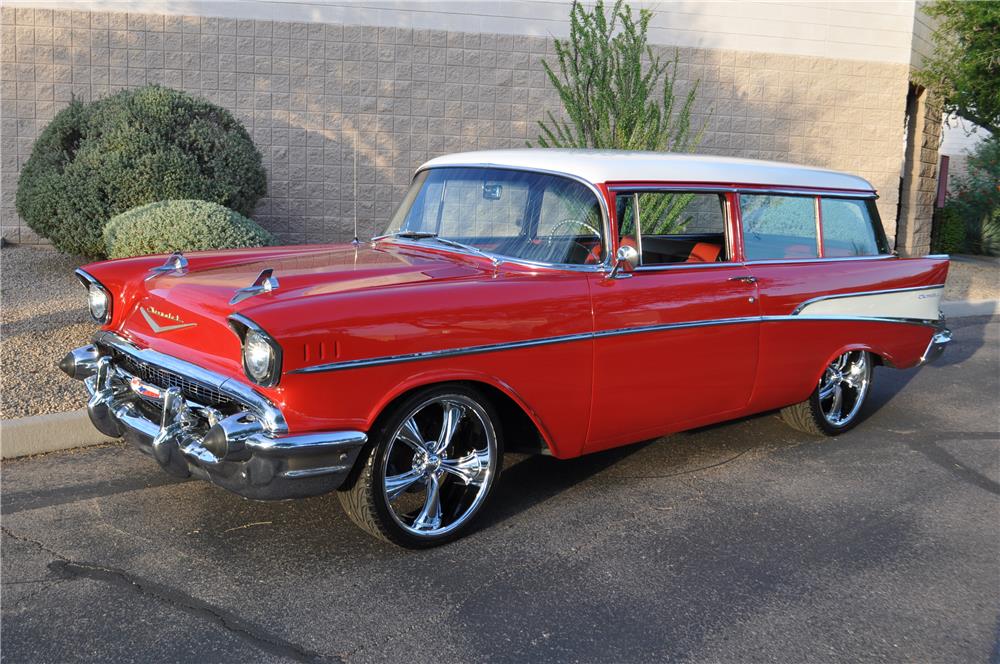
<point>968,336</point>
<point>532,480</point>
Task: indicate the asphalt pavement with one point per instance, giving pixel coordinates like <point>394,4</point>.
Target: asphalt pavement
<point>742,542</point>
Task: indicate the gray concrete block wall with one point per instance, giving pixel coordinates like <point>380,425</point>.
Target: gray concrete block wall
<point>343,114</point>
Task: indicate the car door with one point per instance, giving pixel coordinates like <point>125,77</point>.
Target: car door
<point>676,339</point>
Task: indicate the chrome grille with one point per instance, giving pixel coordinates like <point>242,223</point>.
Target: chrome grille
<point>154,375</point>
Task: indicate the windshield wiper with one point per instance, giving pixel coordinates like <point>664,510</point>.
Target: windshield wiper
<point>412,235</point>
<point>428,235</point>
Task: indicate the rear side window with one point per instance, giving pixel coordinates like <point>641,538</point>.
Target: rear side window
<point>849,228</point>
<point>778,227</point>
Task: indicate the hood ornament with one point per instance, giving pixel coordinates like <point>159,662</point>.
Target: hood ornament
<point>176,264</point>
<point>264,283</point>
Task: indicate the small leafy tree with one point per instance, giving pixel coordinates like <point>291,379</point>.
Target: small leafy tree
<point>618,94</point>
<point>965,68</point>
<point>975,197</point>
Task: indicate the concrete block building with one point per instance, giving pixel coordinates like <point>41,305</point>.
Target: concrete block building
<point>346,99</point>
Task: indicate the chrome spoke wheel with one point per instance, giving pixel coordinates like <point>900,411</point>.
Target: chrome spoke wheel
<point>432,486</point>
<point>843,387</point>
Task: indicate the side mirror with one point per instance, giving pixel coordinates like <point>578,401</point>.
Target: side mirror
<point>626,260</point>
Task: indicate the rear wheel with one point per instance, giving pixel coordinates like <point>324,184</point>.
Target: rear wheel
<point>432,467</point>
<point>835,404</point>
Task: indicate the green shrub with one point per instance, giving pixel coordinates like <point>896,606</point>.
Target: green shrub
<point>949,230</point>
<point>99,159</point>
<point>976,193</point>
<point>167,226</point>
<point>989,238</point>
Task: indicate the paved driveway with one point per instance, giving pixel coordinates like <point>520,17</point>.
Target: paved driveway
<point>742,542</point>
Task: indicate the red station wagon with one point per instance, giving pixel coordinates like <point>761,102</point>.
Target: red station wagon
<point>558,301</point>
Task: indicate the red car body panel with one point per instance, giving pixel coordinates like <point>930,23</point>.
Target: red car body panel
<point>600,383</point>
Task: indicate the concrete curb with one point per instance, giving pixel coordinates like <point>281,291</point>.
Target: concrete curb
<point>48,433</point>
<point>63,431</point>
<point>966,308</point>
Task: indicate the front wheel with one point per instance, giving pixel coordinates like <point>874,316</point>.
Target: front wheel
<point>834,405</point>
<point>435,459</point>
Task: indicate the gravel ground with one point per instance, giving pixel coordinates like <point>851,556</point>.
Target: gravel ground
<point>973,278</point>
<point>43,315</point>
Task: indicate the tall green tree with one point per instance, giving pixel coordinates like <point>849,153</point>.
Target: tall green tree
<point>617,93</point>
<point>964,70</point>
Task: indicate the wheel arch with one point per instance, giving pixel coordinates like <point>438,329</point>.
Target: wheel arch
<point>522,426</point>
<point>879,358</point>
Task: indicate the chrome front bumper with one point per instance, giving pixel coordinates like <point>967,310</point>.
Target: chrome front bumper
<point>243,445</point>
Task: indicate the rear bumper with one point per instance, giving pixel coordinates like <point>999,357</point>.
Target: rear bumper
<point>246,449</point>
<point>939,341</point>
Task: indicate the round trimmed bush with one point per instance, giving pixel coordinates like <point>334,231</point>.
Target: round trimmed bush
<point>99,159</point>
<point>167,226</point>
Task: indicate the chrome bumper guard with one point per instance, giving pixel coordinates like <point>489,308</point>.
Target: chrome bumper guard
<point>940,339</point>
<point>248,451</point>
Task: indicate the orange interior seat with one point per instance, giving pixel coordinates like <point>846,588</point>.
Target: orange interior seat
<point>704,252</point>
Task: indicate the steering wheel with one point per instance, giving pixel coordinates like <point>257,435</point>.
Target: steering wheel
<point>552,233</point>
<point>551,240</point>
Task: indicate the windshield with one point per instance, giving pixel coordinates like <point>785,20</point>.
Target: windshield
<point>518,214</point>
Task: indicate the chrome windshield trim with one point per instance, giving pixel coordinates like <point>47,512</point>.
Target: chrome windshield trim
<point>269,414</point>
<point>602,202</point>
<point>584,336</point>
<point>838,296</point>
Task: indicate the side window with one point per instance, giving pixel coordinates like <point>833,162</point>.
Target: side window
<point>778,226</point>
<point>674,227</point>
<point>848,229</point>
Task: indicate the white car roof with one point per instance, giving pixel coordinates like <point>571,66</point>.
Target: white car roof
<point>597,166</point>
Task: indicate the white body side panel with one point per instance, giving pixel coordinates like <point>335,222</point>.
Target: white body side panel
<point>917,304</point>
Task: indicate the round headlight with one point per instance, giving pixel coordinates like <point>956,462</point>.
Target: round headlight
<point>97,299</point>
<point>258,357</point>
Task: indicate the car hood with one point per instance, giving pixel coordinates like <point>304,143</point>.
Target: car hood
<point>186,315</point>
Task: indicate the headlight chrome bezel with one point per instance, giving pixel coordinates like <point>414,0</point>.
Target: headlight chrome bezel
<point>246,330</point>
<point>93,287</point>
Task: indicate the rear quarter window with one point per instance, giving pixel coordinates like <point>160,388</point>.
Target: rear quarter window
<point>849,228</point>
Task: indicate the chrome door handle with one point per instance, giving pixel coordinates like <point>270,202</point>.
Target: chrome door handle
<point>746,280</point>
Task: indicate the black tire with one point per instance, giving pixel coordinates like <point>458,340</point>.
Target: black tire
<point>809,415</point>
<point>365,501</point>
